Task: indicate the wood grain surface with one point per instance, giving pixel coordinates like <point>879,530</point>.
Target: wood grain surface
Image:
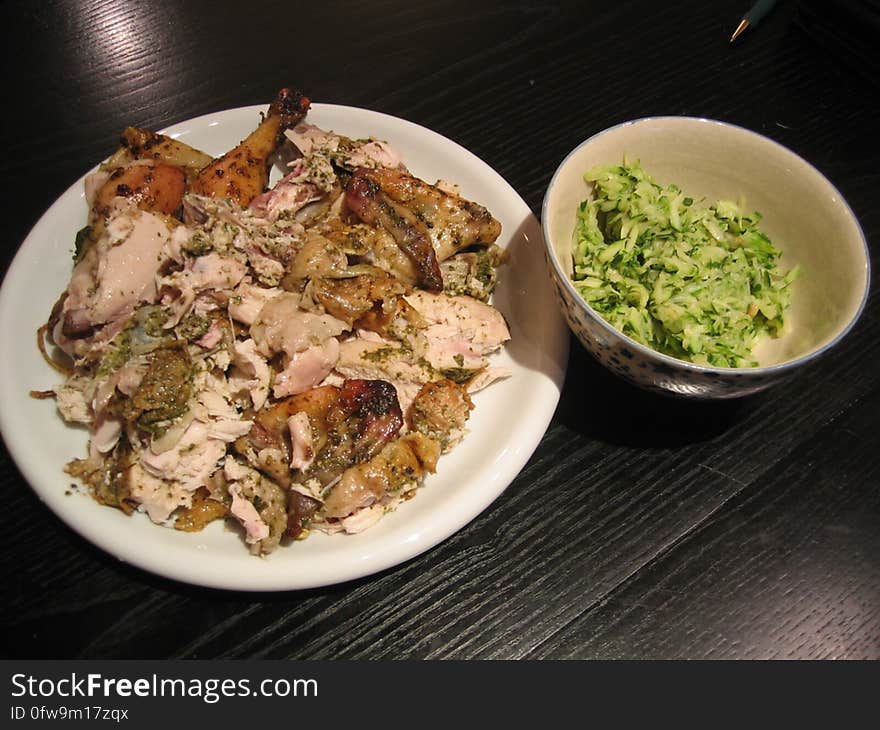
<point>642,526</point>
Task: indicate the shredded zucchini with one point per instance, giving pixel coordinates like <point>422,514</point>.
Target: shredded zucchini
<point>697,282</point>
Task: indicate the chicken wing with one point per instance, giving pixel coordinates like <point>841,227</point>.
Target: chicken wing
<point>142,144</point>
<point>369,202</point>
<point>428,223</point>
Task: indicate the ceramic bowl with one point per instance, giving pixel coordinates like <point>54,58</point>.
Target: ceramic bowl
<point>803,214</point>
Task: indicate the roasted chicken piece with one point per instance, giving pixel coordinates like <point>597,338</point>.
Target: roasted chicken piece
<point>322,432</point>
<point>397,319</point>
<point>243,172</point>
<point>142,144</point>
<point>203,511</point>
<point>149,171</point>
<point>107,478</point>
<point>401,462</point>
<point>346,424</point>
<point>460,331</point>
<point>473,273</point>
<point>150,185</point>
<point>372,245</point>
<point>268,444</point>
<point>317,257</point>
<point>153,171</point>
<point>366,198</point>
<point>440,411</point>
<point>259,505</point>
<point>363,419</point>
<point>351,298</point>
<point>428,223</point>
<point>114,274</point>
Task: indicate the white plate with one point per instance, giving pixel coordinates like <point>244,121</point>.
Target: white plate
<point>506,425</point>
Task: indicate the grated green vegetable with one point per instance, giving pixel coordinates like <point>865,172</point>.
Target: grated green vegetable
<point>700,283</point>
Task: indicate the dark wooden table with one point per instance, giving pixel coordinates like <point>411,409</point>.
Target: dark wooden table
<point>641,526</point>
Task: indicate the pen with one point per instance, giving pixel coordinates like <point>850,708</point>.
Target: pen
<point>753,17</point>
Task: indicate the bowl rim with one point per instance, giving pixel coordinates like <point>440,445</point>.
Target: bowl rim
<point>767,370</point>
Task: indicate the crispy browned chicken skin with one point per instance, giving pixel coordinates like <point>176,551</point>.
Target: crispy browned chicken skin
<point>428,223</point>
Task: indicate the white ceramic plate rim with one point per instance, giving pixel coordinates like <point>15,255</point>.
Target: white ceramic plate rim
<point>508,422</point>
<point>796,160</point>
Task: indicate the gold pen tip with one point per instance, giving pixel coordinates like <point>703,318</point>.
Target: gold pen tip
<point>740,29</point>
